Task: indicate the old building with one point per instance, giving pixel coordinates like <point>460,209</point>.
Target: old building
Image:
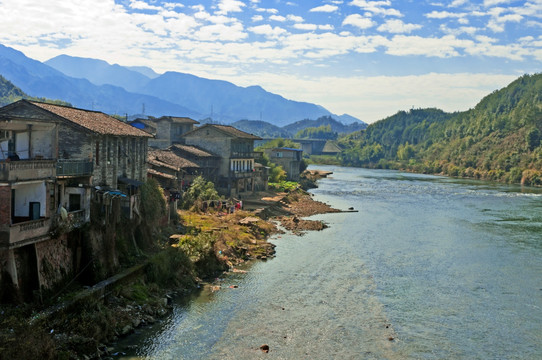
<point>208,163</point>
<point>52,159</point>
<point>167,130</point>
<point>290,160</point>
<point>236,150</point>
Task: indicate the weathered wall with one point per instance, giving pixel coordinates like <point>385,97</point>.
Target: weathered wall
<point>55,261</point>
<point>214,142</point>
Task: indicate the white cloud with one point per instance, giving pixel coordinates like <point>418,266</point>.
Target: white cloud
<point>295,18</point>
<point>141,5</point>
<point>443,15</point>
<point>325,8</point>
<point>278,18</point>
<point>271,11</point>
<point>304,26</point>
<point>396,26</point>
<point>358,21</point>
<point>257,18</point>
<point>489,3</point>
<point>228,6</point>
<point>268,30</point>
<point>376,7</point>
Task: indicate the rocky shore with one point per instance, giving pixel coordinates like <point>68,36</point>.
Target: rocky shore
<point>211,243</point>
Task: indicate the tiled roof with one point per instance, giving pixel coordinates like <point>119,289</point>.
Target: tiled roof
<point>93,120</point>
<point>184,120</point>
<point>161,174</point>
<point>170,159</point>
<point>229,130</point>
<point>192,150</point>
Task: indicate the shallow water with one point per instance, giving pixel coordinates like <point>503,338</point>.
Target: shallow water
<point>429,268</point>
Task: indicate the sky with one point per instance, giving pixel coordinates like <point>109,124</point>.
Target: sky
<point>368,59</point>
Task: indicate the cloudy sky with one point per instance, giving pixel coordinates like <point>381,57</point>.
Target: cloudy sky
<point>365,58</point>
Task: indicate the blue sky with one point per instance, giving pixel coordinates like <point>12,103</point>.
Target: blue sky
<point>365,58</point>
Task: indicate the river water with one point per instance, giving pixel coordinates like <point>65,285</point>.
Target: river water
<point>429,268</point>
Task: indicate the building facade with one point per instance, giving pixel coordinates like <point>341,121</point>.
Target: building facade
<point>235,148</point>
<point>52,159</point>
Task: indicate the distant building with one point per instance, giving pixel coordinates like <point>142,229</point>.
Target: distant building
<point>167,130</point>
<point>236,150</point>
<point>290,160</point>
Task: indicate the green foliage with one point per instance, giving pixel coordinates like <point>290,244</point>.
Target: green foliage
<point>10,93</point>
<point>200,190</point>
<point>171,267</point>
<point>497,140</point>
<point>153,202</point>
<point>197,247</point>
<point>276,173</point>
<point>279,143</point>
<point>284,186</point>
<point>320,132</point>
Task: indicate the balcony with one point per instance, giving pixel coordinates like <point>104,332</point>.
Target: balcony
<point>244,155</point>
<point>27,232</point>
<point>21,170</point>
<point>241,174</point>
<point>74,168</point>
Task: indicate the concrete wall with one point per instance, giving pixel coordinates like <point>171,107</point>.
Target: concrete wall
<point>26,193</point>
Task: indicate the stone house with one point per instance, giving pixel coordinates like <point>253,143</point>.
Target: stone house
<point>290,159</point>
<point>52,158</point>
<point>236,150</point>
<point>167,130</point>
<point>208,163</point>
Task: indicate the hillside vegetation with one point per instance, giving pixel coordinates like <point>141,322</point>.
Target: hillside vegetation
<point>10,93</point>
<point>497,140</point>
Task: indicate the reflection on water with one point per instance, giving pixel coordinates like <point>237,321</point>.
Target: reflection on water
<point>430,267</point>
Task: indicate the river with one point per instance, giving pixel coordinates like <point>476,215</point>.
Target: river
<point>429,268</point>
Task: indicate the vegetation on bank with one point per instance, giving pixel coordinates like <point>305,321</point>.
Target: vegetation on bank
<point>498,140</point>
<point>176,261</point>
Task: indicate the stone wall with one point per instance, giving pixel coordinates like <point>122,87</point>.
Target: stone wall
<point>55,261</point>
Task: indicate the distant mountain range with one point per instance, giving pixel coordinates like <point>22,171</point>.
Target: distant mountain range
<point>266,130</point>
<point>114,89</point>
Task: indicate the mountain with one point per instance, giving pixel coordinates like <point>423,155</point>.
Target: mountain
<point>220,100</point>
<point>499,139</point>
<point>261,128</point>
<point>40,80</point>
<point>99,72</point>
<point>9,92</point>
<point>336,126</point>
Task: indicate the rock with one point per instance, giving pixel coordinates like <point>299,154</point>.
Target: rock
<point>264,348</point>
<point>126,330</point>
<point>136,323</point>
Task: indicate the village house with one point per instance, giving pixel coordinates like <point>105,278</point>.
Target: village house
<point>167,130</point>
<point>236,150</point>
<point>290,159</point>
<point>208,163</point>
<point>53,159</point>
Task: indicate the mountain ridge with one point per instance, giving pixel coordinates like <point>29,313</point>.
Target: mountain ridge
<point>221,100</point>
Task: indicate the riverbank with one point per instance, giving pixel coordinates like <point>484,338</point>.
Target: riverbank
<point>206,245</point>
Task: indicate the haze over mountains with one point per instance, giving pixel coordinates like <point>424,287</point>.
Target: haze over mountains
<point>114,89</point>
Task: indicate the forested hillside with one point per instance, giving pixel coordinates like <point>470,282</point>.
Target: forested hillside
<point>498,140</point>
<point>10,93</point>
